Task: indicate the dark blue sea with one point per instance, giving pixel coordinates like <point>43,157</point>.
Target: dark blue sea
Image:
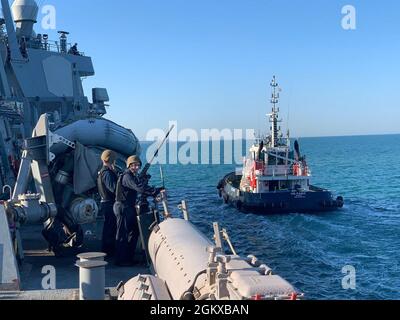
<point>310,250</point>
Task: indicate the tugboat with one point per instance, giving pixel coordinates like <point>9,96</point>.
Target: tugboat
<point>275,178</point>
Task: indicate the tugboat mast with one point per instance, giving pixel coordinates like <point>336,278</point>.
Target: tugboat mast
<point>274,116</point>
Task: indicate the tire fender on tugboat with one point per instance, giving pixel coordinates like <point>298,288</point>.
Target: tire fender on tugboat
<point>340,201</point>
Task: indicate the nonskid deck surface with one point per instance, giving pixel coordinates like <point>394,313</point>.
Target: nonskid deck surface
<point>38,259</point>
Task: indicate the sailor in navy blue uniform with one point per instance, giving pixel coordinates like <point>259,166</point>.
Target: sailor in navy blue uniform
<point>107,184</point>
<point>129,187</point>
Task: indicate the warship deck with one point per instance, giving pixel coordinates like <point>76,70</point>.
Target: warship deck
<point>67,274</point>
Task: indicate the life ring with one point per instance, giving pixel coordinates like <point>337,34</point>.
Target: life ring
<point>340,201</point>
<point>295,169</point>
<point>253,181</point>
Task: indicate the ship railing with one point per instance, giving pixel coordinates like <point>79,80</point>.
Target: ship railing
<point>52,46</point>
<point>285,171</point>
<point>277,170</point>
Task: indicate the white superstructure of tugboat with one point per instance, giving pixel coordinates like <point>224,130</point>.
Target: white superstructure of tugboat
<point>275,178</point>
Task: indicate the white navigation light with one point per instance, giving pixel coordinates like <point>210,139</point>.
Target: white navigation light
<point>25,14</point>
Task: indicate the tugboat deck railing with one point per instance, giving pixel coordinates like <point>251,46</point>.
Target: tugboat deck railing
<point>284,171</point>
<point>282,177</point>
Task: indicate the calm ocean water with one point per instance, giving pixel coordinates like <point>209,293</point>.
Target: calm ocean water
<point>311,250</point>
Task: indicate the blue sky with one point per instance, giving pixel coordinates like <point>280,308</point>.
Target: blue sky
<point>208,63</point>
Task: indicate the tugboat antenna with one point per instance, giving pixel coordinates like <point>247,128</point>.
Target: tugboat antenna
<point>274,116</point>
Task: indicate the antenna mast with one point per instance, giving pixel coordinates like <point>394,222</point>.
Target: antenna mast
<point>274,116</point>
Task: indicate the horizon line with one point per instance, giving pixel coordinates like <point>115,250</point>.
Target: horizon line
<point>299,137</point>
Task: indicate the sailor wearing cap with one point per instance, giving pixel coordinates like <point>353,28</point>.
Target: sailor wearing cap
<point>129,186</point>
<point>106,184</point>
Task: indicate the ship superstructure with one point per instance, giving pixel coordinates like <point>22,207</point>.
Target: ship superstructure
<point>51,136</point>
<point>272,165</point>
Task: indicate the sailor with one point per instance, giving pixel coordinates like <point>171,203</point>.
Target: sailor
<point>38,42</point>
<point>129,187</point>
<point>107,183</point>
<point>74,49</point>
